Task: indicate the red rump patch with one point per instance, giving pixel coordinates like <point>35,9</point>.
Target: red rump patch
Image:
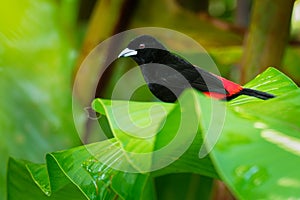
<point>231,88</point>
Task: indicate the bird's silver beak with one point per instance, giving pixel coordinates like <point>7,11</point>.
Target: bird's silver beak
<point>127,52</point>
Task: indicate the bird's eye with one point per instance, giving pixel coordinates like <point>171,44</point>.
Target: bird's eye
<point>141,46</point>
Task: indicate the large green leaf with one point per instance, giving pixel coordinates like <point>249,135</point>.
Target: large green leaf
<point>91,167</point>
<point>262,160</point>
<point>256,153</point>
<point>97,180</point>
<point>30,181</point>
<point>154,135</point>
<point>77,174</point>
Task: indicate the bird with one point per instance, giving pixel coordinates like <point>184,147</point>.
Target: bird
<point>168,74</point>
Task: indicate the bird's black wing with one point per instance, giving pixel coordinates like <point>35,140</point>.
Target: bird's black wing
<point>197,77</point>
<point>208,82</point>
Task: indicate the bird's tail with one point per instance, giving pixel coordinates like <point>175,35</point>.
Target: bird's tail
<point>256,93</point>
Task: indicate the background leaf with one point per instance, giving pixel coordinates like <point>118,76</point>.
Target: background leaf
<point>25,183</point>
<point>37,55</point>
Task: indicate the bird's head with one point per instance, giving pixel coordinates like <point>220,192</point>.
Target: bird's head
<point>144,49</point>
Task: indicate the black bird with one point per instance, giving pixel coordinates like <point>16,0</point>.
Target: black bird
<point>167,74</point>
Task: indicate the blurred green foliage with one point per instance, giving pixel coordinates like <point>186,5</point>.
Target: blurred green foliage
<point>37,58</point>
